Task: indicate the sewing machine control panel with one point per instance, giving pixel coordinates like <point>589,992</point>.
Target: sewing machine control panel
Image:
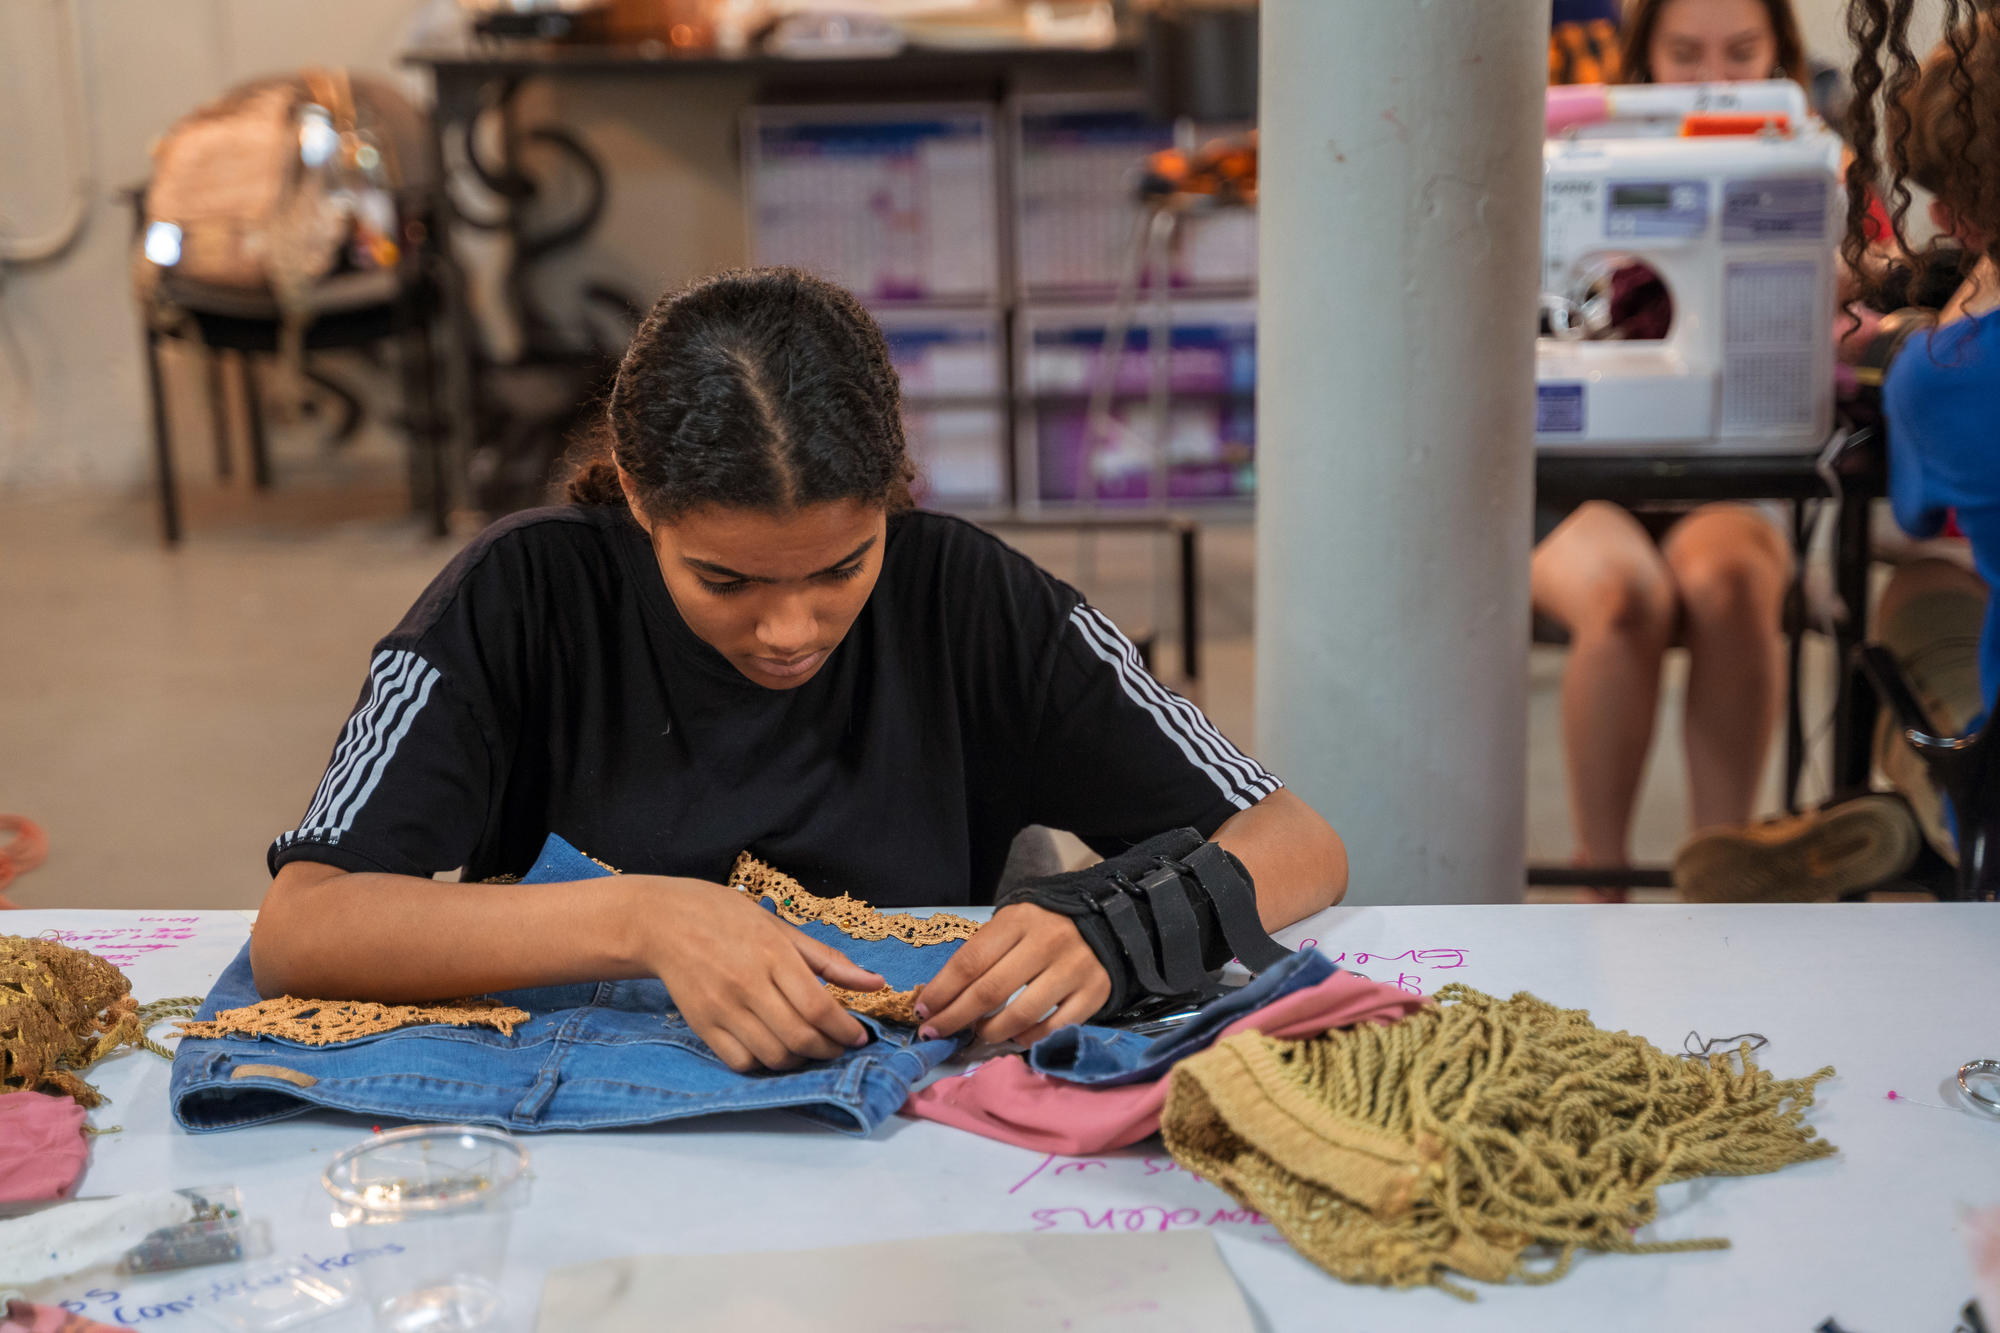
<point>1656,208</point>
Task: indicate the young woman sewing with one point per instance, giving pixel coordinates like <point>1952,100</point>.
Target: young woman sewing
<point>1626,585</point>
<point>740,635</point>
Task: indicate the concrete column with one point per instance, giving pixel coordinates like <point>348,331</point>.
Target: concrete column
<point>1400,211</point>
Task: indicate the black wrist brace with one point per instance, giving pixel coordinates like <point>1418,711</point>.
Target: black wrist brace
<point>1160,917</point>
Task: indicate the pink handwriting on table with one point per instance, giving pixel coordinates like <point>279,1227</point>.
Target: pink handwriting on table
<point>123,946</point>
<point>1041,1183</point>
<point>1148,1217</point>
<point>1430,960</point>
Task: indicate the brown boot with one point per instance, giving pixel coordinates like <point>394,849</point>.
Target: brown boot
<point>1812,857</point>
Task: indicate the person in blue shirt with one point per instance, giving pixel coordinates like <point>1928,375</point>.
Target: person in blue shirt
<point>1941,406</point>
<point>1942,398</point>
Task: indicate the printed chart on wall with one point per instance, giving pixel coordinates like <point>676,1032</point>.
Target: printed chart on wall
<point>893,203</point>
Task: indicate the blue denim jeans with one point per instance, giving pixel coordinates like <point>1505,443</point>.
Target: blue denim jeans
<point>1085,1054</point>
<point>591,1055</point>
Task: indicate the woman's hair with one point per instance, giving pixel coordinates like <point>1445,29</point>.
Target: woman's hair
<point>762,389</point>
<point>1942,122</point>
<point>1642,17</point>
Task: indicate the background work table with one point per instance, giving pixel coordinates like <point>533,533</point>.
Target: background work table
<point>1895,996</point>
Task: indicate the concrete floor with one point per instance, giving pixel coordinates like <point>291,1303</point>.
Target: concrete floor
<point>164,714</point>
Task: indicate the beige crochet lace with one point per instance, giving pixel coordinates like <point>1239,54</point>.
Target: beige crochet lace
<point>323,1022</point>
<point>848,915</point>
<point>857,920</point>
<point>891,1006</point>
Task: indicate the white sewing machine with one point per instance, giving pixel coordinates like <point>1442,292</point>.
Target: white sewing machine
<point>1742,230</point>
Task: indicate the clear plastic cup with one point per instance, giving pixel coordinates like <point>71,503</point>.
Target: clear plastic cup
<point>432,1203</point>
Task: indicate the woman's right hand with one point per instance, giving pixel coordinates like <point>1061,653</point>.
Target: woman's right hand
<point>749,982</point>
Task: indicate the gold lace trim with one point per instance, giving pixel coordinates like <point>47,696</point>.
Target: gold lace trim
<point>846,914</point>
<point>891,1006</point>
<point>323,1022</point>
<point>62,1010</point>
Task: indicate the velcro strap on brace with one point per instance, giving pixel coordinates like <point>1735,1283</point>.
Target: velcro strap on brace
<point>1136,948</point>
<point>1227,884</point>
<point>1161,918</point>
<point>1176,928</point>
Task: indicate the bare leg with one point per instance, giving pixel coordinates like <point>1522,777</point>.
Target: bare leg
<point>1602,578</point>
<point>1731,568</point>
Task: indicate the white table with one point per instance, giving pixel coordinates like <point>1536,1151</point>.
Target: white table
<point>1896,996</point>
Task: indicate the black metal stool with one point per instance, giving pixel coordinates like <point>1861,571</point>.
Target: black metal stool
<point>1963,767</point>
<point>403,307</point>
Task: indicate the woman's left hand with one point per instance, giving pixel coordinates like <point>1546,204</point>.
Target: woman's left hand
<point>1023,946</point>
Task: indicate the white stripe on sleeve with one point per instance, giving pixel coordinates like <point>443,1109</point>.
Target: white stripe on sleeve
<point>1246,772</point>
<point>1240,778</point>
<point>430,678</point>
<point>384,722</point>
<point>383,672</point>
<point>400,686</point>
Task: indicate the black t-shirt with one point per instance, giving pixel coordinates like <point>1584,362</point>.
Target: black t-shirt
<point>545,683</point>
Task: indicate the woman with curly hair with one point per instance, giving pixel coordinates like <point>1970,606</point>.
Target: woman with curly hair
<point>1627,584</point>
<point>1933,124</point>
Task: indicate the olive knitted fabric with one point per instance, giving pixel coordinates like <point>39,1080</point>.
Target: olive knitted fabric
<point>1454,1140</point>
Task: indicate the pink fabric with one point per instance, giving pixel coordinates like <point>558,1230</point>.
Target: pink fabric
<point>1004,1099</point>
<point>21,1317</point>
<point>42,1149</point>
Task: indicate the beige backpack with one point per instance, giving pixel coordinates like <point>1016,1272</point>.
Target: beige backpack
<point>270,186</point>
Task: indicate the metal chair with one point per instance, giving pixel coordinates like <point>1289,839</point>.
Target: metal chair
<point>226,323</point>
<point>404,307</point>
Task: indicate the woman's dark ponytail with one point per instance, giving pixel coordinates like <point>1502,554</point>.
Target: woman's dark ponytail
<point>593,478</point>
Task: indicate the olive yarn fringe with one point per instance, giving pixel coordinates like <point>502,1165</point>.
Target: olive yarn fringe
<point>1474,1136</point>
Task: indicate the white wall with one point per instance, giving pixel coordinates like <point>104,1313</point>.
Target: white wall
<point>1823,25</point>
<point>80,415</point>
